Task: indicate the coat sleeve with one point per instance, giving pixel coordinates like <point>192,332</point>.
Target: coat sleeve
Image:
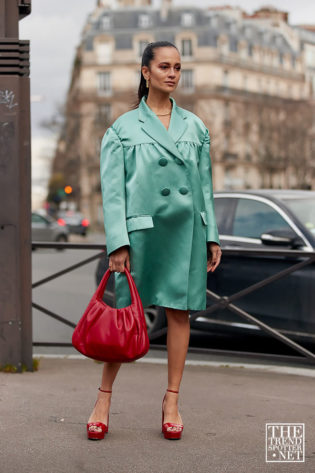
<point>205,171</point>
<point>112,173</point>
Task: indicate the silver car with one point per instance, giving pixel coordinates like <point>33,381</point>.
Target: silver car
<point>45,228</point>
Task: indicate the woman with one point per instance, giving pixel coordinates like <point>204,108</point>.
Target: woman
<point>159,218</point>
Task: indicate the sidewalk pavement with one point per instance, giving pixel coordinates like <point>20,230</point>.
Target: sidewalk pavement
<point>224,409</point>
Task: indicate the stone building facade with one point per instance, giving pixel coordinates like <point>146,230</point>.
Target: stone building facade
<point>244,75</point>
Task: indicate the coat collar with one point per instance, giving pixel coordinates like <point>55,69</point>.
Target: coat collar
<point>153,126</point>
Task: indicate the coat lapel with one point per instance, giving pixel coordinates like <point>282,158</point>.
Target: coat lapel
<point>152,126</point>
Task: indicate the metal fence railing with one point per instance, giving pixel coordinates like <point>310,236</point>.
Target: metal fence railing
<point>307,258</point>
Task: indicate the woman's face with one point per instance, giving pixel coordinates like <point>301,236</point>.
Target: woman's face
<point>164,72</point>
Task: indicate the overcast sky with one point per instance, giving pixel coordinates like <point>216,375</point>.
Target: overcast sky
<point>54,29</point>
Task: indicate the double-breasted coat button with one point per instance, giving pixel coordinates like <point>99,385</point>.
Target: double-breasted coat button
<point>183,190</point>
<point>163,162</point>
<point>165,191</point>
<point>178,161</point>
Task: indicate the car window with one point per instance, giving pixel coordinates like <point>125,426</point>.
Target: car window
<point>222,209</point>
<point>304,210</point>
<point>252,218</point>
<point>38,219</point>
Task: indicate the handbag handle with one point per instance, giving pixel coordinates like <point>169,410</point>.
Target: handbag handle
<point>101,288</point>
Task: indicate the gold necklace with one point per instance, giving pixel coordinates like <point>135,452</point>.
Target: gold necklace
<point>162,114</point>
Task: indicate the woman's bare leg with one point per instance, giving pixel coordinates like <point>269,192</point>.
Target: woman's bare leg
<point>101,408</point>
<point>178,333</point>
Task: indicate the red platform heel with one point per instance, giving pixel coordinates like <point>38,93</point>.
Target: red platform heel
<point>97,435</point>
<point>171,434</point>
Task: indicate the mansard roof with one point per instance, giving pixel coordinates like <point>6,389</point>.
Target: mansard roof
<point>207,25</point>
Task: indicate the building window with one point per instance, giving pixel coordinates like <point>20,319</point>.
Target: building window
<point>248,32</point>
<point>289,90</point>
<point>265,36</point>
<point>104,82</point>
<point>186,47</point>
<point>248,156</point>
<point>105,22</point>
<point>187,19</point>
<point>214,21</point>
<point>280,58</point>
<point>98,143</point>
<point>267,86</point>
<point>136,78</point>
<point>279,88</point>
<point>243,52</point>
<point>104,52</point>
<point>187,79</point>
<point>250,49</point>
<point>245,83</point>
<point>142,45</point>
<point>144,21</point>
<point>276,87</point>
<point>224,47</point>
<point>226,112</point>
<point>230,158</point>
<point>104,114</point>
<point>278,40</point>
<point>246,131</point>
<point>232,27</point>
<point>265,58</point>
<point>225,82</point>
<point>233,45</point>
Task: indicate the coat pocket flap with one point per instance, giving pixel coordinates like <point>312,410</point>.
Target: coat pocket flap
<point>139,222</point>
<point>204,217</point>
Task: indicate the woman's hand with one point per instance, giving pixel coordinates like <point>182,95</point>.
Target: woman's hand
<point>118,259</point>
<point>214,256</point>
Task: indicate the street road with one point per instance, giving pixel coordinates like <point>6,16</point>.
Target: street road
<point>67,295</point>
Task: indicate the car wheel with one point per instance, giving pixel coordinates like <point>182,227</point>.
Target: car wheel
<point>155,318</point>
<point>61,239</point>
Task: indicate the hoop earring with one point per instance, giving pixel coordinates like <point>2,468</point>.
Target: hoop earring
<point>147,83</point>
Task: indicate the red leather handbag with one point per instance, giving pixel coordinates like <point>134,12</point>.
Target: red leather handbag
<point>108,334</point>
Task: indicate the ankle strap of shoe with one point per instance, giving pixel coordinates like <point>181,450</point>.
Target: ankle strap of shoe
<point>171,390</point>
<point>104,390</point>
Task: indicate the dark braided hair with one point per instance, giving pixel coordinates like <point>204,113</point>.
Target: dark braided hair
<point>147,56</point>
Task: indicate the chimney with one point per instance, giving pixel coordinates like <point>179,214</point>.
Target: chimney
<point>105,4</point>
<point>271,13</point>
<point>165,7</point>
<point>133,3</point>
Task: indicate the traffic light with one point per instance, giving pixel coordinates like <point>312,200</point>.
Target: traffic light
<point>68,189</point>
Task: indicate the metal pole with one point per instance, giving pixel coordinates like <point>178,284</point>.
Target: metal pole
<point>15,190</point>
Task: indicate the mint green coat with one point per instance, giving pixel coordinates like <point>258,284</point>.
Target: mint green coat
<point>158,199</point>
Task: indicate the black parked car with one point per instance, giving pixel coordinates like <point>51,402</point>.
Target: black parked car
<point>266,219</point>
<point>259,219</point>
